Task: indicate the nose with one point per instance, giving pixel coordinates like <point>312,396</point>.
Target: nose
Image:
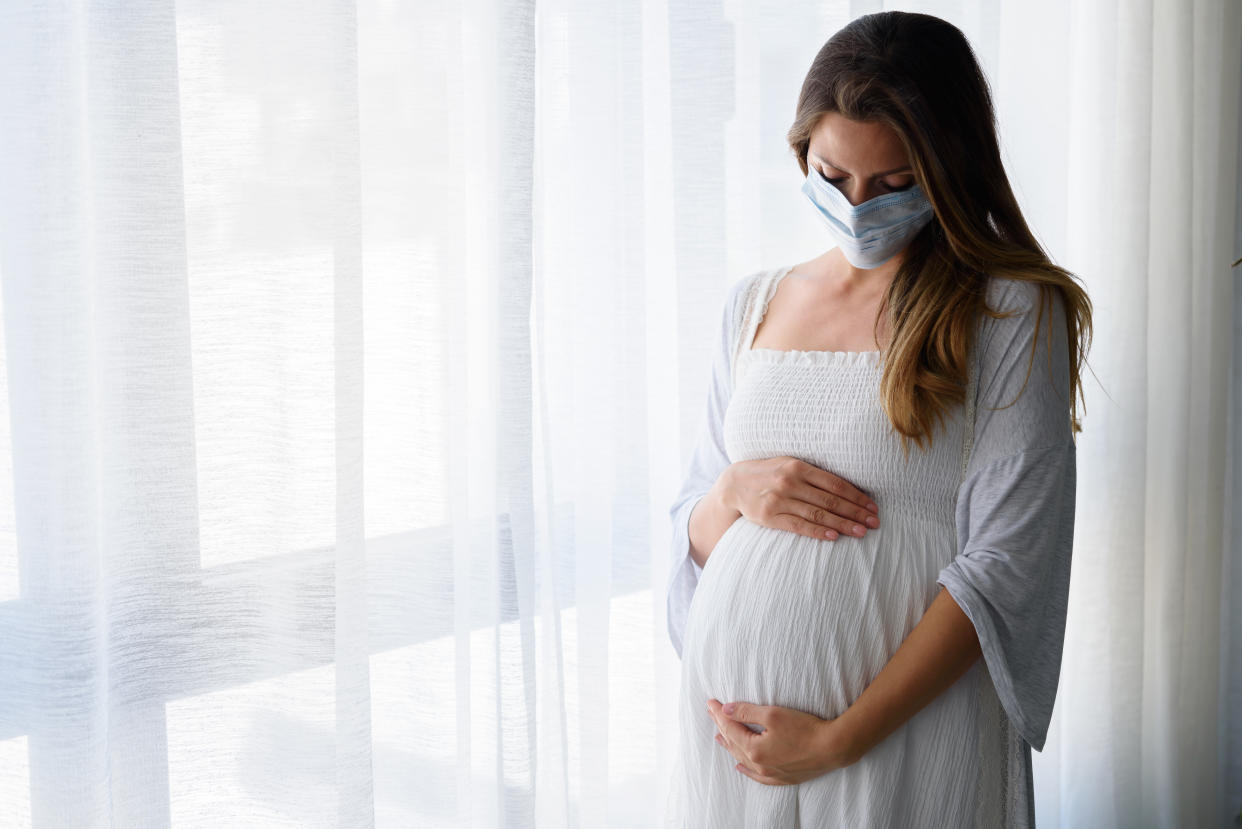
<point>859,192</point>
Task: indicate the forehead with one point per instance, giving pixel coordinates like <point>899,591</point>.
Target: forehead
<point>861,147</point>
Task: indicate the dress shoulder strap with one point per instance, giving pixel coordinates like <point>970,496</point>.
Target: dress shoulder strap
<point>754,303</point>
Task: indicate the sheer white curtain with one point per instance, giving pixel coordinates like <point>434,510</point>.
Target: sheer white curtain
<point>352,351</point>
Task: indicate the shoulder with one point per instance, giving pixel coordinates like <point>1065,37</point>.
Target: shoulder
<point>1023,362</point>
<point>1021,295</point>
<point>741,295</point>
<point>1031,340</point>
<point>1028,306</point>
<point>745,287</point>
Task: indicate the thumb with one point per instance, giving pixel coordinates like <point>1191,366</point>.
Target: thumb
<point>747,713</point>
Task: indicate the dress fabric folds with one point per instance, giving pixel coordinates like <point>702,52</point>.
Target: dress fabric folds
<point>778,618</point>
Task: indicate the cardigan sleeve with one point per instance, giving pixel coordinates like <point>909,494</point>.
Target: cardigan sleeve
<point>1015,507</point>
<point>707,461</point>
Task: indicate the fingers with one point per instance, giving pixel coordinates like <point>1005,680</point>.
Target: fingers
<point>829,510</point>
<point>723,736</point>
<point>804,526</point>
<point>836,487</point>
<point>728,737</point>
<point>737,733</point>
<point>813,502</point>
<point>746,762</point>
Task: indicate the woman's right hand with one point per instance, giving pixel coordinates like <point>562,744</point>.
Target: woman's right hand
<point>786,493</point>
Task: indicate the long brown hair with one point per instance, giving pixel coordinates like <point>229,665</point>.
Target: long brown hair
<point>917,74</point>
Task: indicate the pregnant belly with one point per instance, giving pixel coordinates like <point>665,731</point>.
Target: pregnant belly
<point>782,619</point>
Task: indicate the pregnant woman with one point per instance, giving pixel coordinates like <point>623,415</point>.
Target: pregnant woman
<point>883,490</point>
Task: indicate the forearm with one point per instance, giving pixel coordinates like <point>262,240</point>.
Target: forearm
<point>940,648</point>
<point>709,519</point>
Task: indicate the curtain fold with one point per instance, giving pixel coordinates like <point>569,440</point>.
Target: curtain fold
<point>1157,85</point>
<point>353,350</point>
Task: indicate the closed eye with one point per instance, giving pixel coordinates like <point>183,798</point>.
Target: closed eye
<point>884,184</point>
<point>824,176</point>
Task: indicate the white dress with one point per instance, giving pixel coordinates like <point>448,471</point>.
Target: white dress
<point>778,618</point>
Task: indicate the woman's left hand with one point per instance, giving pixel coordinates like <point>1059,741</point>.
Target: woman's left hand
<point>794,745</point>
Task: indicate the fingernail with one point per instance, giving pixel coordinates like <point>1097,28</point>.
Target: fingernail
<point>871,506</point>
<point>873,522</point>
<point>859,530</point>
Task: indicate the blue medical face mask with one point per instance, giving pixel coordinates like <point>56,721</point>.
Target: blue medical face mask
<point>873,232</point>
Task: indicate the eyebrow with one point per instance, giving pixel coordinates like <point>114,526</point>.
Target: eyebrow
<point>847,172</point>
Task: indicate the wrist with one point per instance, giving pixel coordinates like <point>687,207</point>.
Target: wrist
<point>722,490</point>
<point>838,745</point>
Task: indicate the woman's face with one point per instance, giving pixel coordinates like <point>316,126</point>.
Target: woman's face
<point>863,159</point>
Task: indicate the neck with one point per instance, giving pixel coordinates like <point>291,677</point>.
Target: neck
<point>855,279</point>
